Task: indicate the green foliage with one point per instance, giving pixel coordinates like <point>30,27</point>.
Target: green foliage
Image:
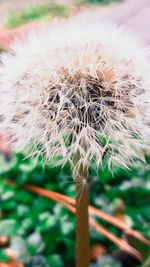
<point>147,263</point>
<point>50,10</point>
<point>38,227</point>
<point>107,261</point>
<point>3,257</point>
<point>7,227</point>
<point>96,1</point>
<point>35,13</point>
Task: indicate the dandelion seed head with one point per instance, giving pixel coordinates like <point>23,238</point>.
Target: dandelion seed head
<point>77,87</point>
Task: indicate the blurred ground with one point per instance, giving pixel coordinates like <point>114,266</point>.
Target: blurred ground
<point>132,13</point>
<point>10,7</point>
<point>7,8</point>
<point>14,13</point>
<point>138,18</point>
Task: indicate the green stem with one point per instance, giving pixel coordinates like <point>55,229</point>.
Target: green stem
<point>82,217</point>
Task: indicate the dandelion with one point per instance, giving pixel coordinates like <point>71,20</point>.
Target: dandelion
<point>78,92</point>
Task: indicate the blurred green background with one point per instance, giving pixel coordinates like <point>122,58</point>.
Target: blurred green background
<point>39,227</point>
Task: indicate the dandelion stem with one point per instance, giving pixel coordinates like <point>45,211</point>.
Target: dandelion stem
<point>82,217</point>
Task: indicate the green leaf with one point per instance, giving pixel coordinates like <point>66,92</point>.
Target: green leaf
<point>20,246</point>
<point>36,243</point>
<point>55,260</point>
<point>7,227</point>
<point>66,227</point>
<point>139,246</point>
<point>107,261</point>
<point>3,257</point>
<point>6,166</point>
<point>147,263</point>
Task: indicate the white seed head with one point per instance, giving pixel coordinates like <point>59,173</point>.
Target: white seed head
<point>75,86</point>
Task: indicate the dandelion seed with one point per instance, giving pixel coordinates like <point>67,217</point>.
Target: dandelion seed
<point>77,87</point>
